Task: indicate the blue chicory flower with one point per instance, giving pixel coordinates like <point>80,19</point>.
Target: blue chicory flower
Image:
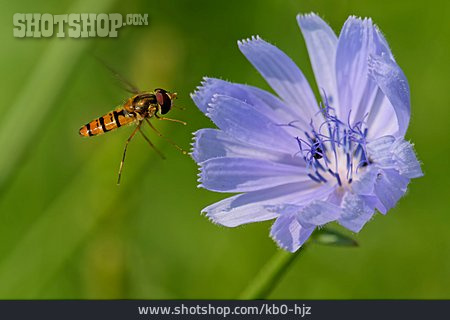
<point>302,163</point>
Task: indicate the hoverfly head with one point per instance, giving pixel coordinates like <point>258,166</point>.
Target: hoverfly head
<point>165,100</point>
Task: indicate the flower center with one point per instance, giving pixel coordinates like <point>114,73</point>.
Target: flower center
<point>335,151</point>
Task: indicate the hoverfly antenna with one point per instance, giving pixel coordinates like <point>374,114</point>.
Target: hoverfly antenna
<point>179,108</point>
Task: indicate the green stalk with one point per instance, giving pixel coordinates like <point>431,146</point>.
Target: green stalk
<point>270,275</point>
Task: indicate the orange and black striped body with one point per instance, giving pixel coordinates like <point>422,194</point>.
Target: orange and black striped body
<point>141,106</point>
<point>108,122</point>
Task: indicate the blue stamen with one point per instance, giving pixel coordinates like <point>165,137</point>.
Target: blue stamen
<point>320,176</point>
<point>338,179</point>
<point>335,137</point>
<point>314,178</point>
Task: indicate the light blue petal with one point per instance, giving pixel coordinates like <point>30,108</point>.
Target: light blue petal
<point>288,233</point>
<point>240,121</point>
<point>304,234</point>
<point>213,143</point>
<point>392,81</point>
<point>381,119</point>
<point>243,175</point>
<point>237,210</point>
<point>353,49</point>
<point>365,183</point>
<point>379,151</point>
<point>390,153</point>
<point>355,212</point>
<point>405,159</point>
<point>320,192</point>
<point>262,204</point>
<point>390,187</point>
<point>318,213</point>
<point>321,42</point>
<point>261,100</point>
<point>380,44</point>
<point>283,76</point>
<point>335,197</point>
<point>360,97</point>
<point>211,86</point>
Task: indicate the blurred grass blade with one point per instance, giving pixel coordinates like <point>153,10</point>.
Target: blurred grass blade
<point>59,231</point>
<point>34,102</point>
<point>332,238</point>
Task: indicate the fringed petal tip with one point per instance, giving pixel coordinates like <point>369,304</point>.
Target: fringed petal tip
<point>404,155</point>
<point>217,220</point>
<point>310,21</point>
<point>282,245</point>
<point>246,41</point>
<point>198,90</point>
<point>301,16</point>
<point>284,232</point>
<point>205,212</point>
<point>194,153</point>
<point>388,152</point>
<point>210,107</point>
<point>212,217</point>
<point>195,137</point>
<point>203,93</point>
<point>200,176</point>
<point>356,19</point>
<point>199,179</point>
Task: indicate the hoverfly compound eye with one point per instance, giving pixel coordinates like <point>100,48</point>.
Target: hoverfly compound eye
<point>164,100</point>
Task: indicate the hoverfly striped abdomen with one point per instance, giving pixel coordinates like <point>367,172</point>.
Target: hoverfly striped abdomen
<point>108,122</point>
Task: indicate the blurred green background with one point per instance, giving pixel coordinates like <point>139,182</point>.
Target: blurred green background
<point>68,231</point>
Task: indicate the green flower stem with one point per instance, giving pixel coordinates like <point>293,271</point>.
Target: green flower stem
<point>269,276</point>
<point>273,271</point>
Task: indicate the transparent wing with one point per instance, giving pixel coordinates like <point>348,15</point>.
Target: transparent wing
<point>125,84</point>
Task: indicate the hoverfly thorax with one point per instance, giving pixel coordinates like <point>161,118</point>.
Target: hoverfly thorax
<point>164,100</point>
<point>142,102</point>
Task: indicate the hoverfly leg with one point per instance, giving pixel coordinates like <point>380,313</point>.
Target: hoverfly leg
<point>151,144</point>
<point>125,150</point>
<point>164,137</point>
<point>170,119</point>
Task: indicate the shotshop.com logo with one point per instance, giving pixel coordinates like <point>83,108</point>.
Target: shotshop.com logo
<point>73,25</point>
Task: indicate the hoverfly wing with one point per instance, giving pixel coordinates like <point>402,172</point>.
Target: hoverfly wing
<point>124,83</point>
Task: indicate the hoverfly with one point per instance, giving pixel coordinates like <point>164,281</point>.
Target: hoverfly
<point>141,107</point>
